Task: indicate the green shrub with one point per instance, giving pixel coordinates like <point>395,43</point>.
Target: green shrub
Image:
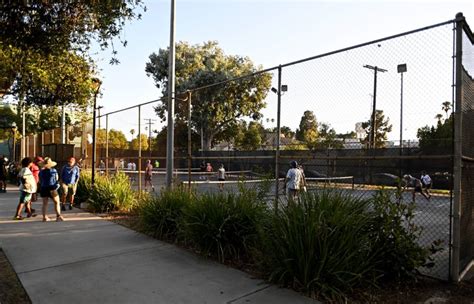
<point>83,187</point>
<point>320,245</point>
<point>160,215</point>
<point>223,225</point>
<point>395,238</point>
<point>108,194</point>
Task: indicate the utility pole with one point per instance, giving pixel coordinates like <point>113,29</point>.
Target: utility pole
<point>150,122</point>
<point>374,104</point>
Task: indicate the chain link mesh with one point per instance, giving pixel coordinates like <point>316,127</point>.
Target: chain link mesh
<point>467,179</point>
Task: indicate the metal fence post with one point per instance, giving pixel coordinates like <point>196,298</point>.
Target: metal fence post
<point>457,171</point>
<point>277,151</point>
<point>189,141</point>
<point>139,149</point>
<point>107,144</point>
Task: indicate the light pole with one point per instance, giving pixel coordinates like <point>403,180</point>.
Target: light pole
<point>14,128</point>
<point>171,92</point>
<point>374,104</point>
<point>96,85</point>
<point>401,68</point>
<point>281,88</point>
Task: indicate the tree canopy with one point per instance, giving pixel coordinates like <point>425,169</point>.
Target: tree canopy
<point>439,136</point>
<point>215,108</point>
<point>44,44</point>
<point>116,138</point>
<point>382,128</point>
<point>52,26</point>
<point>308,129</point>
<point>134,144</point>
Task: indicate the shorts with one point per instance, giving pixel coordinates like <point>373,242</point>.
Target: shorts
<point>427,186</point>
<point>25,197</point>
<point>68,189</point>
<point>51,191</point>
<point>221,179</point>
<point>148,178</point>
<point>418,189</point>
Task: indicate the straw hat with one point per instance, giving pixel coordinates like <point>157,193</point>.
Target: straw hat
<point>47,163</point>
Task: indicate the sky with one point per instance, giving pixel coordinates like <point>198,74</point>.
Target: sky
<point>336,88</point>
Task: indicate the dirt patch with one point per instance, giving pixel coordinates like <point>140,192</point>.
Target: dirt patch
<point>11,290</point>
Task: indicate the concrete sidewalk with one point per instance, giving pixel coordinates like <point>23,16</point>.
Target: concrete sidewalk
<point>86,259</point>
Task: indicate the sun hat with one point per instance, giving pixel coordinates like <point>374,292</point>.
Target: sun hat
<point>47,163</point>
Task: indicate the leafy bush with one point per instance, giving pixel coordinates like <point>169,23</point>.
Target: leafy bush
<point>160,215</point>
<point>395,238</point>
<point>223,225</point>
<point>83,187</point>
<point>108,194</point>
<point>321,244</point>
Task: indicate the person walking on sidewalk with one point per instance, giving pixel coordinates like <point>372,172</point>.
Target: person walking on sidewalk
<point>27,188</point>
<point>3,174</point>
<point>69,178</point>
<point>36,170</point>
<point>49,188</point>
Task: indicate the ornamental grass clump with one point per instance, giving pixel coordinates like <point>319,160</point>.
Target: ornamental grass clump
<point>160,215</point>
<point>224,225</point>
<point>320,245</point>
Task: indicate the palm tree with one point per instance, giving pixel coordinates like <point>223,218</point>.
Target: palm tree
<point>439,117</point>
<point>446,106</point>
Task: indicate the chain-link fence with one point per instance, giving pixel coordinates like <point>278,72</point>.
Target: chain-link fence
<point>366,117</point>
<point>467,150</point>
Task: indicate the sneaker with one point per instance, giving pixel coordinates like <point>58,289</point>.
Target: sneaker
<point>46,219</point>
<point>63,208</point>
<point>59,219</point>
<point>70,206</point>
<point>31,215</point>
<point>18,218</point>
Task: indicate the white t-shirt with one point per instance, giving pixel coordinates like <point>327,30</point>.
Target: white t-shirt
<point>221,173</point>
<point>29,185</point>
<point>130,166</point>
<point>426,179</point>
<point>294,177</point>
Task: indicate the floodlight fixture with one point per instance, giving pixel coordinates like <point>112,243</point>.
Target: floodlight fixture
<point>402,68</point>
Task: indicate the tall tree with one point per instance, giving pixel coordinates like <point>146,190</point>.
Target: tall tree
<point>328,137</point>
<point>215,108</point>
<point>446,106</point>
<point>382,128</point>
<point>287,132</point>
<point>51,26</point>
<point>249,137</point>
<point>134,144</point>
<point>441,135</point>
<point>308,129</point>
<point>117,139</point>
<point>44,44</point>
